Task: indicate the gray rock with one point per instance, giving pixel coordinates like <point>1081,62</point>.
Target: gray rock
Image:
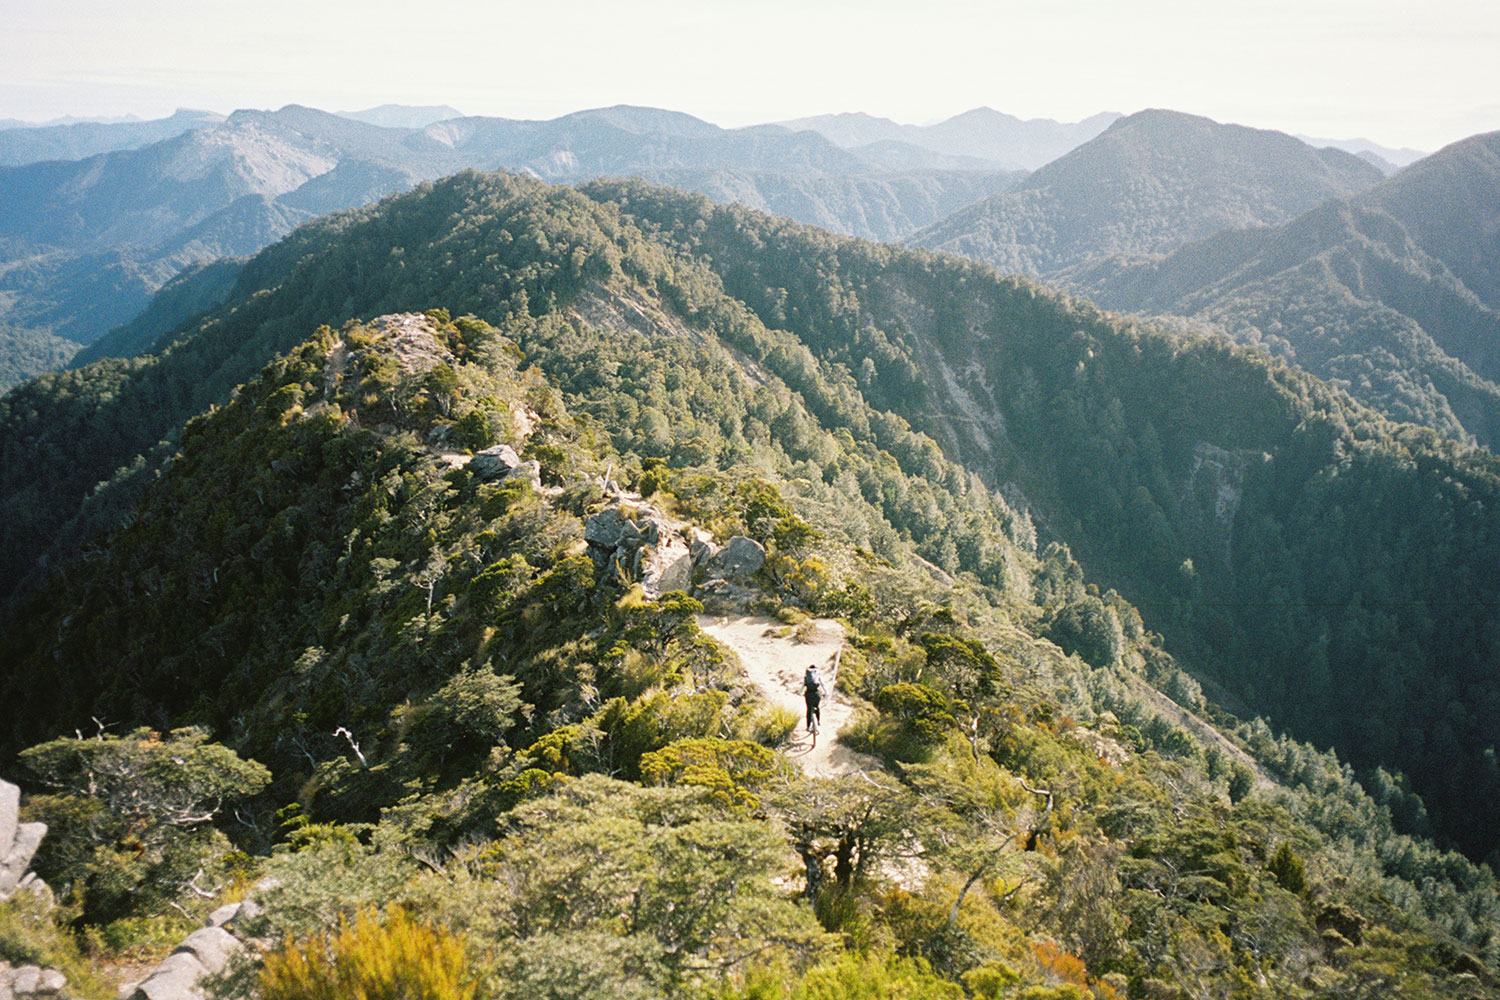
<point>175,979</point>
<point>605,529</point>
<point>13,866</point>
<point>666,567</point>
<point>223,915</point>
<point>10,815</point>
<point>211,946</point>
<point>30,981</point>
<point>530,470</point>
<point>248,912</point>
<point>24,980</point>
<point>741,558</point>
<point>703,551</point>
<point>492,463</point>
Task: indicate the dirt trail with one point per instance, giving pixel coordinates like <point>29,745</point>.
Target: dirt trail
<point>775,660</point>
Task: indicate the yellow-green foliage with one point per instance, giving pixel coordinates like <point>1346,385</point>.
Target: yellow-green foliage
<point>378,957</point>
<point>875,976</point>
<point>730,769</point>
<point>774,725</point>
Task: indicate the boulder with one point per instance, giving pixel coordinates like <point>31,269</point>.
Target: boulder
<point>175,979</point>
<point>29,981</point>
<point>243,917</point>
<point>605,529</point>
<point>703,551</point>
<point>666,566</point>
<point>740,558</point>
<point>529,470</point>
<point>223,915</point>
<point>13,865</point>
<point>30,883</point>
<point>211,946</point>
<point>492,463</point>
<point>10,815</point>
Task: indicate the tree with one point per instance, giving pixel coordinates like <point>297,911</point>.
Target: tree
<point>131,816</point>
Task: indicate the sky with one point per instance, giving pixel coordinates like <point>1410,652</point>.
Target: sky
<point>1399,73</point>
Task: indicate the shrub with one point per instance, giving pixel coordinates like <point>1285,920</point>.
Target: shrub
<point>395,958</point>
<point>730,769</point>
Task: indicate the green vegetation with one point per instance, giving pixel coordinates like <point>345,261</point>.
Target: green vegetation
<point>24,353</point>
<point>1387,294</point>
<point>478,738</point>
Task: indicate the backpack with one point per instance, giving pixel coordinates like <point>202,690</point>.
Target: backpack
<point>812,683</point>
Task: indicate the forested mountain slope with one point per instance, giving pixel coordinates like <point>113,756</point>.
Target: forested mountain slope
<point>1292,545</point>
<point>471,711</point>
<point>1395,292</point>
<point>1150,183</point>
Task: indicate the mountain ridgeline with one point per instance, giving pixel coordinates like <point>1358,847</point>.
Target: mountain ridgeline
<point>1394,293</point>
<point>85,242</point>
<point>1148,184</point>
<point>1385,288</point>
<point>1323,566</point>
<point>458,695</point>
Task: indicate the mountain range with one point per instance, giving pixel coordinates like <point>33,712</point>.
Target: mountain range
<point>1392,293</point>
<point>1380,285</point>
<point>1147,184</point>
<point>1191,476</point>
<point>982,134</point>
<point>384,556</point>
<point>84,243</point>
<point>23,144</point>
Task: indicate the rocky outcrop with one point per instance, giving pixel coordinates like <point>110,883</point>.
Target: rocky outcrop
<point>638,543</point>
<point>18,843</point>
<point>495,462</point>
<point>740,559</point>
<point>31,982</point>
<point>207,951</point>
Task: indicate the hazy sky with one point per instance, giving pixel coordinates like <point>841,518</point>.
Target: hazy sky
<point>1400,73</point>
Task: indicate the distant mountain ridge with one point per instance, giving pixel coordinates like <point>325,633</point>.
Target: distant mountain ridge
<point>84,243</point>
<point>1394,292</point>
<point>23,143</point>
<point>981,133</point>
<point>1147,184</point>
<point>403,115</point>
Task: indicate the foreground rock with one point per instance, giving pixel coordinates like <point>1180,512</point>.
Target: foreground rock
<point>18,842</point>
<point>207,951</point>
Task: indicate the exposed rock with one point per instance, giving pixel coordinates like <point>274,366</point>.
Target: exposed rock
<point>30,883</point>
<point>494,462</point>
<point>703,550</point>
<point>223,915</point>
<point>211,946</point>
<point>666,567</point>
<point>10,815</point>
<point>741,558</point>
<point>30,982</point>
<point>248,911</point>
<point>530,470</point>
<point>605,529</point>
<point>175,979</point>
<point>27,839</point>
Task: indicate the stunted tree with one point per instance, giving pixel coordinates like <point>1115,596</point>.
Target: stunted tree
<point>852,822</point>
<point>132,816</point>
